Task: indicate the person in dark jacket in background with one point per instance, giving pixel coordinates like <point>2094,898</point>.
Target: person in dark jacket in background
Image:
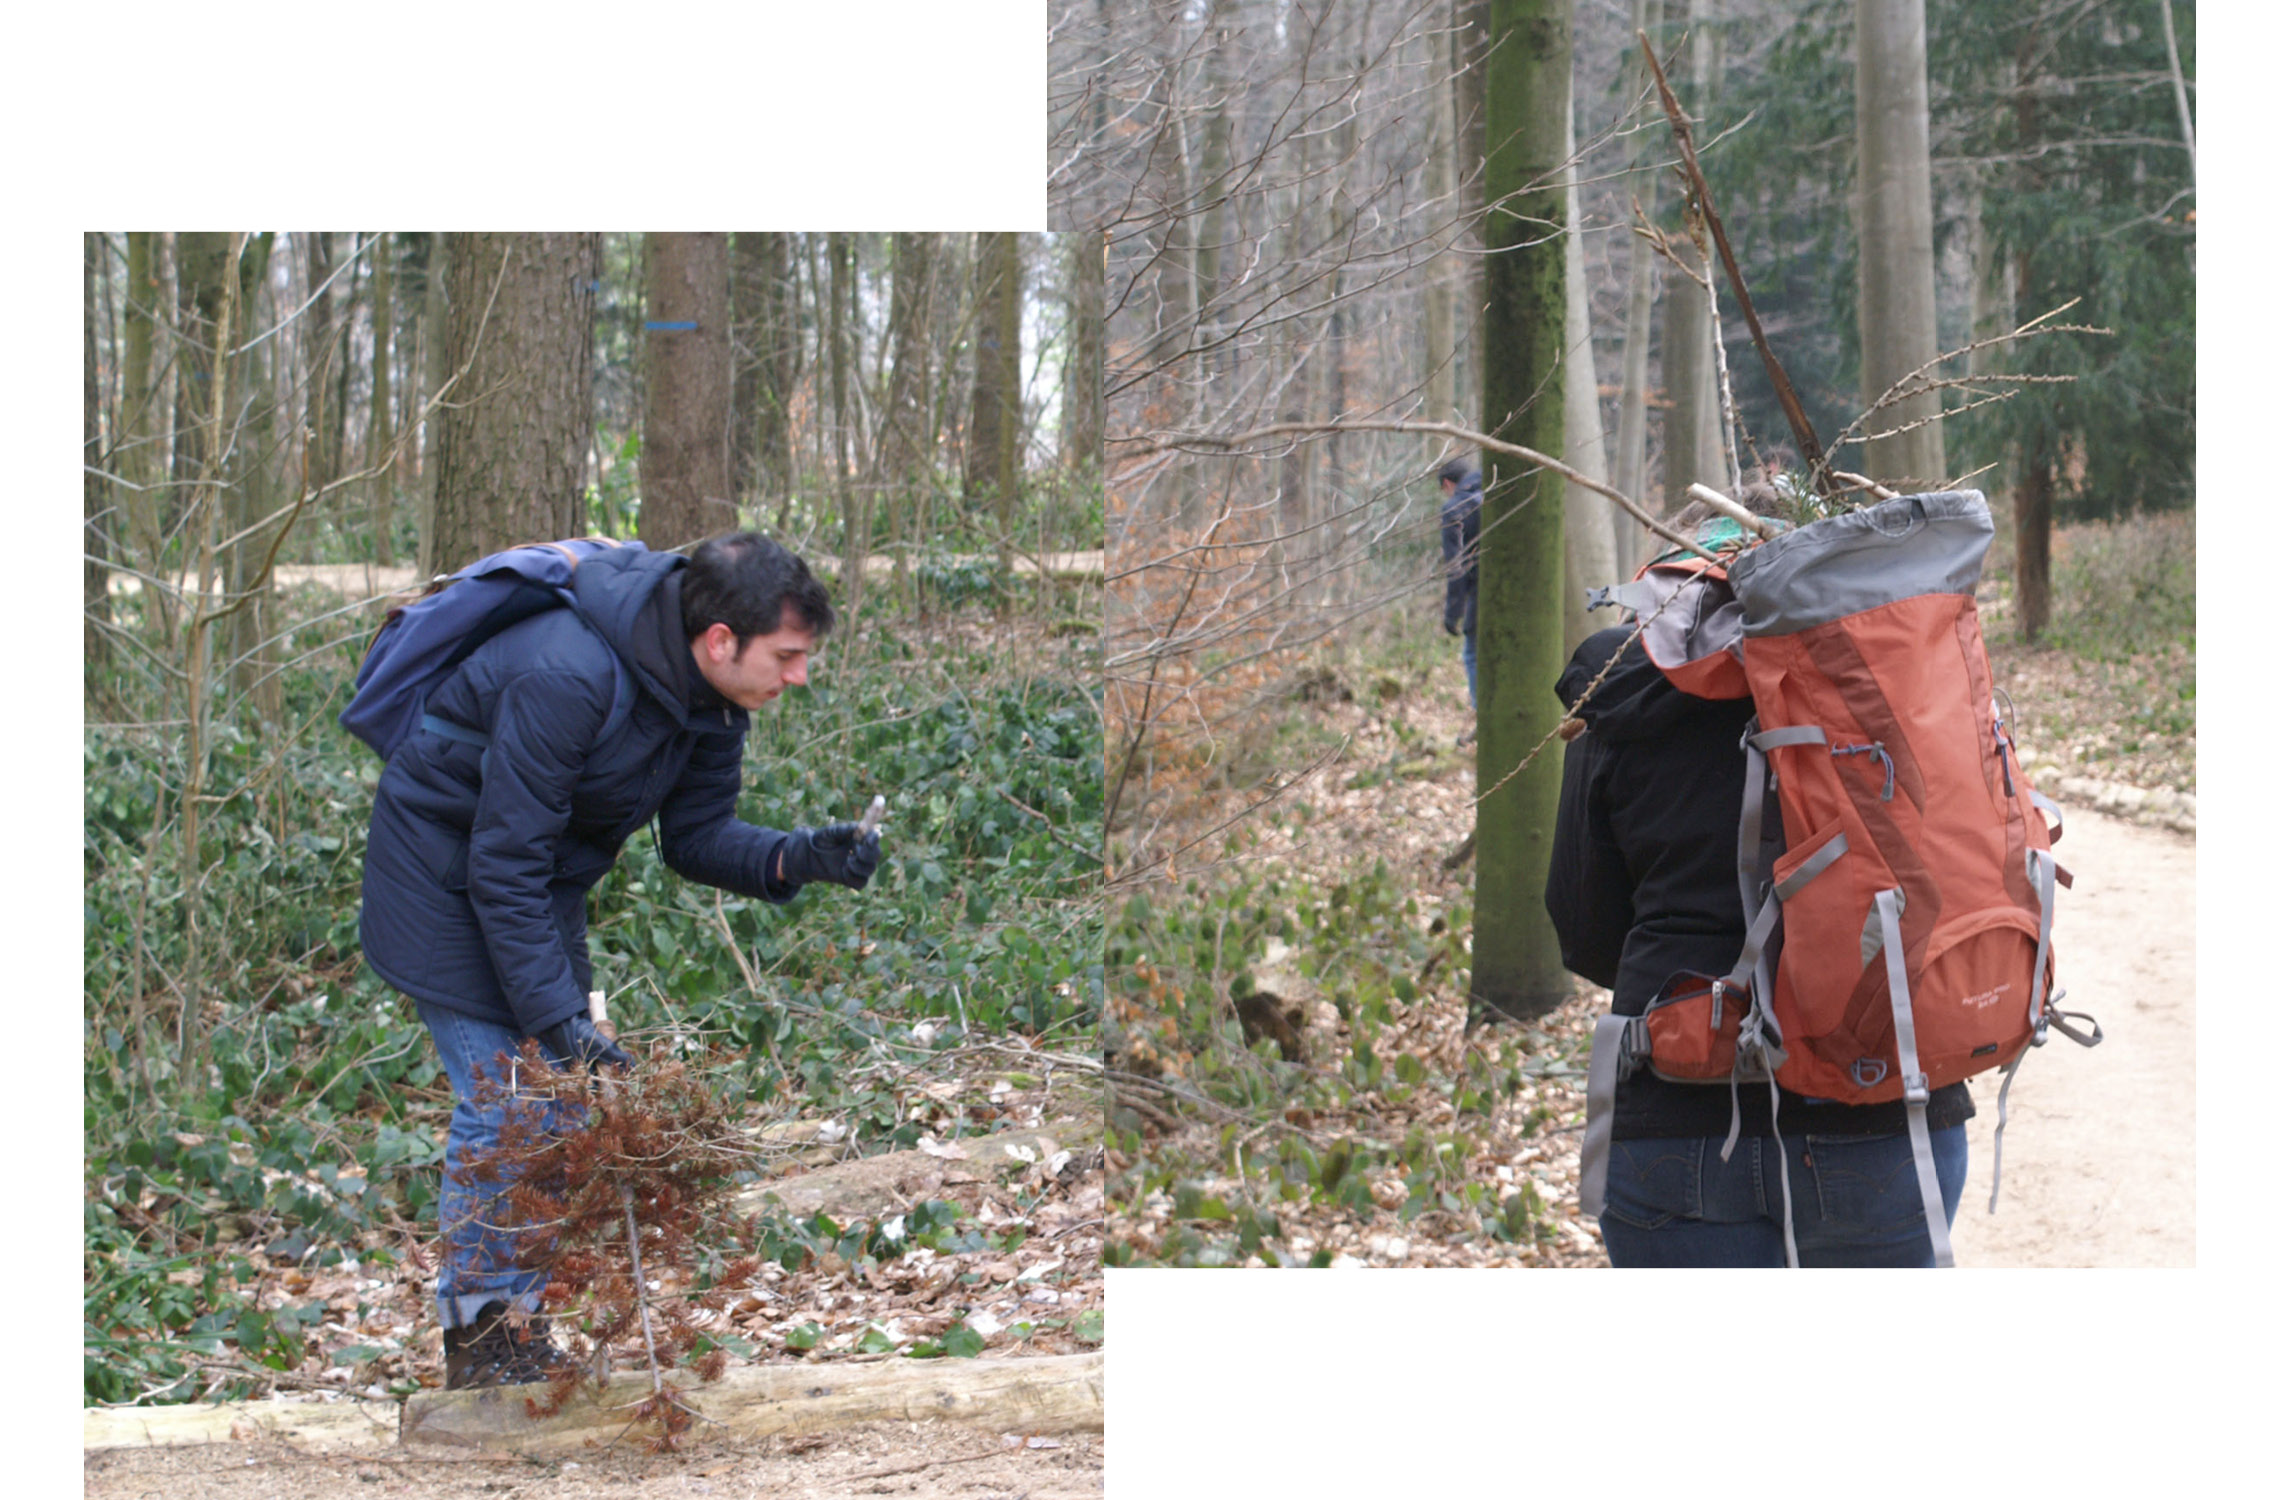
<point>483,848</point>
<point>1460,561</point>
<point>1643,884</point>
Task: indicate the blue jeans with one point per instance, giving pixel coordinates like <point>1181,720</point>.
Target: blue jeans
<point>1472,672</point>
<point>478,1255</point>
<point>1674,1203</point>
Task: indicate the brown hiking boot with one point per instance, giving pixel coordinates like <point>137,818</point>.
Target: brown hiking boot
<point>492,1351</point>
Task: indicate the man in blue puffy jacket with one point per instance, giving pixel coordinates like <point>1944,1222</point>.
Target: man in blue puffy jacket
<point>486,840</point>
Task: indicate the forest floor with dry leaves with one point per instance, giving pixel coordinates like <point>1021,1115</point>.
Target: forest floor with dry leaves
<point>1467,1142</point>
<point>1016,1272</point>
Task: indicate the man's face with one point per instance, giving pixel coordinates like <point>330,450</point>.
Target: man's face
<point>767,664</point>
<point>1448,487</point>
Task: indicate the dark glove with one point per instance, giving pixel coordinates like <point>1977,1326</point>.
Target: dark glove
<point>578,1040</point>
<point>1449,627</point>
<point>840,853</point>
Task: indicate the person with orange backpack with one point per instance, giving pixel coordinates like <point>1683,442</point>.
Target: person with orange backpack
<point>1794,842</point>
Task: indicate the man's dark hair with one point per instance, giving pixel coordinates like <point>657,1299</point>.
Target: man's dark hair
<point>746,582</point>
<point>1456,471</point>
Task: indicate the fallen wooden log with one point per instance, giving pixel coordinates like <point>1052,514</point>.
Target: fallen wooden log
<point>1050,1394</point>
<point>313,1426</point>
<point>1034,1396</point>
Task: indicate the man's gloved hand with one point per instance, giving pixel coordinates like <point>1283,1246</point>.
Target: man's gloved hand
<point>1448,627</point>
<point>839,852</point>
<point>578,1040</point>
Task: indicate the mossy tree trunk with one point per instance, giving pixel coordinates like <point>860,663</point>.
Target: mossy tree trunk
<point>686,490</point>
<point>511,450</point>
<point>1516,959</point>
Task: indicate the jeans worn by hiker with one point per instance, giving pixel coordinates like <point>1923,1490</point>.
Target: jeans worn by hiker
<point>620,699</point>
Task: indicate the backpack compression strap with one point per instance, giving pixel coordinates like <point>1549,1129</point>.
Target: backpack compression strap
<point>1918,1093</point>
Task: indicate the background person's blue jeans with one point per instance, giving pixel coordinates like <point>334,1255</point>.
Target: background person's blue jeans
<point>478,1257</point>
<point>1674,1203</point>
<point>1472,672</point>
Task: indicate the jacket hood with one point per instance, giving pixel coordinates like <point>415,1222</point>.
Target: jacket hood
<point>1467,493</point>
<point>633,599</point>
<point>1636,702</point>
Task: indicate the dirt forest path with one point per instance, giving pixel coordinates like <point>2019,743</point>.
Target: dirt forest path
<point>2098,1160</point>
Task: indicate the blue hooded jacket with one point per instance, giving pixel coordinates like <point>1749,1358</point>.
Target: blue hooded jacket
<point>1460,555</point>
<point>480,858</point>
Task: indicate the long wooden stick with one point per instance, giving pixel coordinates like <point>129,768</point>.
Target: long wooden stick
<point>1808,446</point>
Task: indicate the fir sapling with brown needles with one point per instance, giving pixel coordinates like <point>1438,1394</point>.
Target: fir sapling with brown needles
<point>618,1189</point>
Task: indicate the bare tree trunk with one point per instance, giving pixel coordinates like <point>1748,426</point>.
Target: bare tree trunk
<point>435,316</point>
<point>840,251</point>
<point>1472,39</point>
<point>1590,522</point>
<point>1899,327</point>
<point>511,453</point>
<point>141,457</point>
<point>253,492</point>
<point>1441,190</point>
<point>1631,417</point>
<point>318,343</point>
<point>2030,539</point>
<point>906,439</point>
<point>1692,451</point>
<point>686,490</point>
<point>381,430</point>
<point>1084,415</point>
<point>95,494</point>
<point>2177,82</point>
<point>993,444</point>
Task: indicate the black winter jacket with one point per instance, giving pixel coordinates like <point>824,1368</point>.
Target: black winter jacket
<point>476,873</point>
<point>1643,882</point>
<point>1460,556</point>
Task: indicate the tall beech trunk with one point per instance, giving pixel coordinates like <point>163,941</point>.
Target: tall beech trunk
<point>839,250</point>
<point>1516,968</point>
<point>1589,520</point>
<point>686,490</point>
<point>435,318</point>
<point>380,431</point>
<point>993,442</point>
<point>1441,189</point>
<point>95,492</point>
<point>141,456</point>
<point>1899,326</point>
<point>2030,537</point>
<point>1084,410</point>
<point>1630,457</point>
<point>906,437</point>
<point>1693,451</point>
<point>511,449</point>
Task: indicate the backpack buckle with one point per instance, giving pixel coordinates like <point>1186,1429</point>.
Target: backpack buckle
<point>1915,1088</point>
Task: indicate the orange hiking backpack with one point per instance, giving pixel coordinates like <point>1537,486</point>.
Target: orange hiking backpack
<point>1900,935</point>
